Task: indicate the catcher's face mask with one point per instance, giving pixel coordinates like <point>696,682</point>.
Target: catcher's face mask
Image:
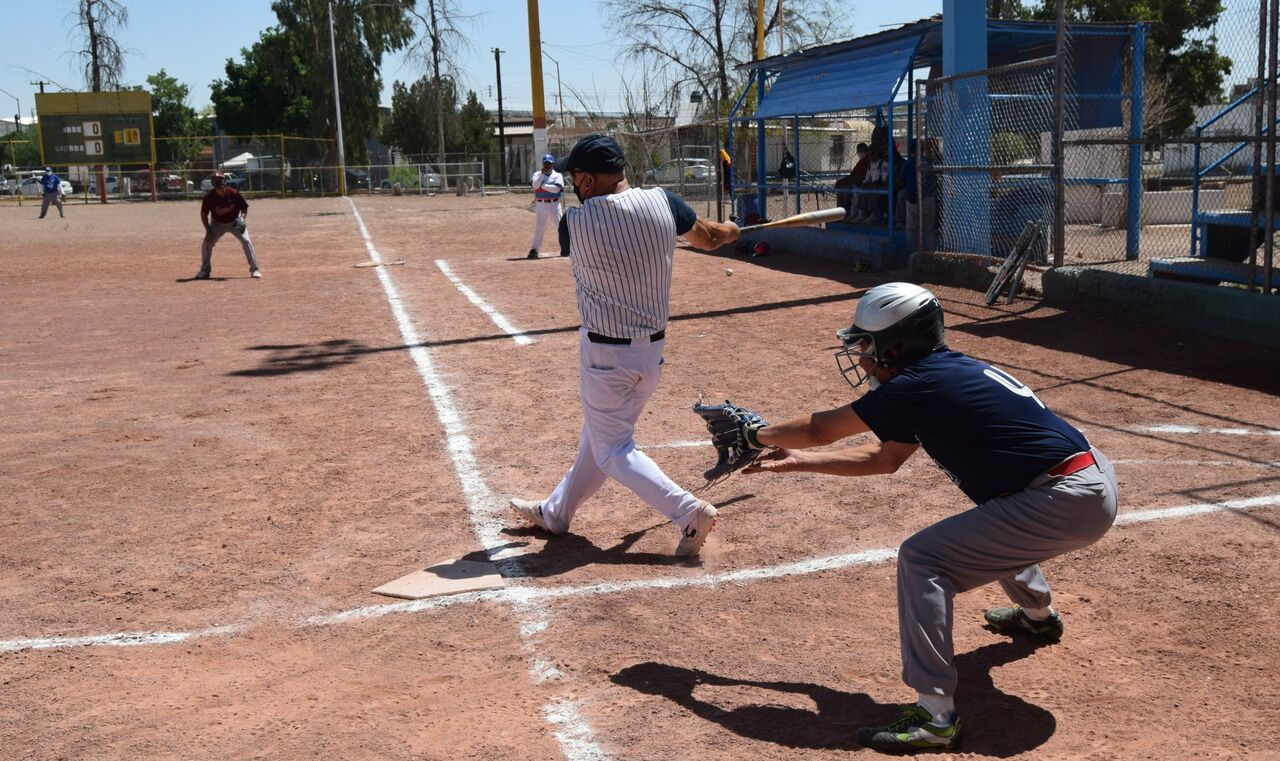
<point>857,346</point>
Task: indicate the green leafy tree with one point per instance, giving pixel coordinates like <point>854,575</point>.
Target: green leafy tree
<point>475,136</point>
<point>285,83</point>
<point>171,117</point>
<point>414,123</point>
<point>1183,66</point>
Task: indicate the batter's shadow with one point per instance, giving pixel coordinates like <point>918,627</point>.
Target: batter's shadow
<point>995,723</point>
<point>567,552</point>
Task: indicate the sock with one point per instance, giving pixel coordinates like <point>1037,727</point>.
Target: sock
<point>942,707</point>
<point>1038,614</point>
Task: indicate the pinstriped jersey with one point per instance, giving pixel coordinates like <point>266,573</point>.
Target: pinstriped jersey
<point>622,246</point>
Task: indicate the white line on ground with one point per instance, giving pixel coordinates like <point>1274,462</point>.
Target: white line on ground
<point>502,322</point>
<point>1201,463</point>
<point>1171,428</point>
<point>572,729</point>
<point>677,444</point>
<point>524,595</point>
<point>122,639</point>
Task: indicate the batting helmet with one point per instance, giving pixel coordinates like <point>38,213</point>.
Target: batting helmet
<point>895,325</point>
<point>218,179</point>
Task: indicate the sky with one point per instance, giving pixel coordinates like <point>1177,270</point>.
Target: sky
<point>192,44</point>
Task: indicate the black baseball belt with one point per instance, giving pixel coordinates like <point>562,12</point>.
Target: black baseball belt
<point>599,339</point>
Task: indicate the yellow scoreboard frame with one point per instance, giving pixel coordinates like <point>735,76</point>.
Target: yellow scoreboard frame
<point>87,128</point>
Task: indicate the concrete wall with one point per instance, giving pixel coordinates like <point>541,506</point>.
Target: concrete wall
<point>1164,207</point>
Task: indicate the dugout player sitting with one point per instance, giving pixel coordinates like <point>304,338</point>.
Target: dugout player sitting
<point>230,214</point>
<point>622,244</point>
<point>1038,489</point>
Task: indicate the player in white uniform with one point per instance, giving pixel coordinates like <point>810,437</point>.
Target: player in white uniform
<point>622,242</point>
<point>548,187</point>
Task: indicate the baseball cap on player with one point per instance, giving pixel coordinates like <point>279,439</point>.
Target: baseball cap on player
<point>594,153</point>
<point>48,170</point>
<point>548,159</point>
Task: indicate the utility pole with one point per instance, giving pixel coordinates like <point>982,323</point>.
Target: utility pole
<point>559,94</point>
<point>502,129</point>
<point>337,107</point>
<point>42,84</point>
<point>535,73</point>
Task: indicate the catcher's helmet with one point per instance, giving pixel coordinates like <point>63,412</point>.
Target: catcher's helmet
<point>895,325</point>
<point>218,179</point>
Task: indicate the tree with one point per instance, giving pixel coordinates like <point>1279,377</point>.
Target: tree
<point>475,136</point>
<point>442,43</point>
<point>101,58</point>
<point>172,118</point>
<point>286,81</point>
<point>1183,66</point>
<point>704,40</point>
<point>418,111</point>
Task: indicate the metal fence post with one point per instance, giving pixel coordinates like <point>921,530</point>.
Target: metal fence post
<point>1269,240</point>
<point>1133,235</point>
<point>1059,123</point>
<point>762,169</point>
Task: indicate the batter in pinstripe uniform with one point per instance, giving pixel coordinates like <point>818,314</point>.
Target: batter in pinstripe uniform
<point>622,242</point>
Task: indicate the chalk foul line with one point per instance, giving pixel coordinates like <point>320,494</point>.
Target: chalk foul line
<point>526,594</point>
<point>498,319</point>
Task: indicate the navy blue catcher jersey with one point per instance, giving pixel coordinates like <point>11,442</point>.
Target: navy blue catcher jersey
<point>990,433</point>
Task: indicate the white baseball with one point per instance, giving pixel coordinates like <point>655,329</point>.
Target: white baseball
<point>728,271</point>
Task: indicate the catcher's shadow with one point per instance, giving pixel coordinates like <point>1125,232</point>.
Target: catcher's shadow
<point>996,723</point>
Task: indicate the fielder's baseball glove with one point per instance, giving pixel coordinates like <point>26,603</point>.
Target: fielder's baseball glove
<point>239,224</point>
<point>733,434</point>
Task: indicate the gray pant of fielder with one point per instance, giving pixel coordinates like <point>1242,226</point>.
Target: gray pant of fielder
<point>216,231</point>
<point>1003,539</point>
<point>51,198</point>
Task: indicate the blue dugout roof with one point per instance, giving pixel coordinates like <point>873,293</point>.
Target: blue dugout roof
<point>868,71</point>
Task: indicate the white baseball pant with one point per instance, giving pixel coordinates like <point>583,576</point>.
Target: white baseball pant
<point>547,214</point>
<point>216,231</point>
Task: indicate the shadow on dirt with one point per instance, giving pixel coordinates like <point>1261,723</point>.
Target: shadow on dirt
<point>300,358</point>
<point>567,552</point>
<point>995,723</point>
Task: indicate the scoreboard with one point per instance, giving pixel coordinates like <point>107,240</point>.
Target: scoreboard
<point>79,128</point>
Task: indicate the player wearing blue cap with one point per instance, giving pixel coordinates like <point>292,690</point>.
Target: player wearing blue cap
<point>51,184</point>
<point>548,187</point>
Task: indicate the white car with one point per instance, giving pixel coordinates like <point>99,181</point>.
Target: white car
<point>31,187</point>
<point>680,172</point>
<point>112,183</point>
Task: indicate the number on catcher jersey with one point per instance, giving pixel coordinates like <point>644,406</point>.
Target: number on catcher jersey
<point>1012,383</point>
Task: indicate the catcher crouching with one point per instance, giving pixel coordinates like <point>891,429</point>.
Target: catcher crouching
<point>1037,488</point>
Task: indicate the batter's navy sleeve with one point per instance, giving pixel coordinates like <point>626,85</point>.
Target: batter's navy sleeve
<point>562,232</point>
<point>685,216</point>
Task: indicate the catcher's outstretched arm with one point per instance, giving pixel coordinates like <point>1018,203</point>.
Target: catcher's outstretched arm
<point>816,430</point>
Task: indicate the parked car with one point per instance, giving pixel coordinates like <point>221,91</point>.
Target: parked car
<point>426,178</point>
<point>173,183</point>
<point>112,184</point>
<point>6,187</point>
<point>680,171</point>
<point>357,179</point>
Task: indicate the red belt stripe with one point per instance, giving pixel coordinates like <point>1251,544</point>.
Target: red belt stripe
<point>1073,464</point>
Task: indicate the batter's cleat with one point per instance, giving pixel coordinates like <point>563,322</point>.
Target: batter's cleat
<point>202,275</point>
<point>531,510</point>
<point>256,273</point>
<point>914,731</point>
<point>1015,620</point>
<point>695,534</point>
<point>533,253</point>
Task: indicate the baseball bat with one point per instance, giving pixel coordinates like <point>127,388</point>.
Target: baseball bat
<point>800,220</point>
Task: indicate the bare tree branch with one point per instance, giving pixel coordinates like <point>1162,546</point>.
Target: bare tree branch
<point>101,57</point>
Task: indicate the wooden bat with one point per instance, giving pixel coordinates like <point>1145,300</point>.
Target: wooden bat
<point>800,220</point>
<point>372,263</point>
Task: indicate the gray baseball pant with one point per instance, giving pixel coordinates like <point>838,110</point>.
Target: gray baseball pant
<point>1003,539</point>
<point>51,198</point>
<point>216,231</point>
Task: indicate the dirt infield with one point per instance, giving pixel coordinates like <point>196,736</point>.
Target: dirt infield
<point>203,480</point>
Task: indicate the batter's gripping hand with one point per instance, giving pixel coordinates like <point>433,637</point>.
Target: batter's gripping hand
<point>733,433</point>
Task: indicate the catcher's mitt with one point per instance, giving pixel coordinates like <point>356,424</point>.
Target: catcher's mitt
<point>239,224</point>
<point>733,434</point>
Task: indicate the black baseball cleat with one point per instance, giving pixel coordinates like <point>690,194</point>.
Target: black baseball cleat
<point>1015,620</point>
<point>533,253</point>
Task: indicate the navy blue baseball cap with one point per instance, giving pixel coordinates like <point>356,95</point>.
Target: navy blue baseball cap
<point>594,153</point>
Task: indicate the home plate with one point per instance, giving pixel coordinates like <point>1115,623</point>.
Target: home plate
<point>445,578</point>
